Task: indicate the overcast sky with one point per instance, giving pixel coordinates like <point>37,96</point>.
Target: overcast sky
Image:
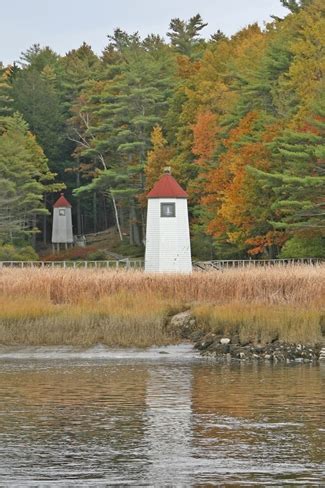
<point>65,24</point>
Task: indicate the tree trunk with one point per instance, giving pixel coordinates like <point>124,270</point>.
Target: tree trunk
<point>104,213</point>
<point>95,211</point>
<point>143,224</point>
<point>34,223</point>
<point>135,237</point>
<point>45,223</point>
<point>117,220</point>
<point>79,230</point>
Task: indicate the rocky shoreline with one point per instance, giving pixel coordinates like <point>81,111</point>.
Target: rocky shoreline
<point>225,347</point>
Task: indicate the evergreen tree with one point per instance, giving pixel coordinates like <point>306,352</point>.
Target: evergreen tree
<point>77,68</point>
<point>36,97</point>
<point>243,121</point>
<point>294,5</point>
<point>6,100</point>
<point>120,113</point>
<point>38,58</point>
<point>218,36</point>
<point>298,184</point>
<point>24,178</point>
<point>10,222</point>
<point>185,35</point>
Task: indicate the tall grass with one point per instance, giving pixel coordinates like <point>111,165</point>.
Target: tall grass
<point>117,320</point>
<point>261,323</point>
<point>77,306</point>
<point>301,285</point>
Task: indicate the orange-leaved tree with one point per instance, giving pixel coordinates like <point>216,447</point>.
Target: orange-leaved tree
<point>157,159</point>
<point>205,133</point>
<point>239,210</point>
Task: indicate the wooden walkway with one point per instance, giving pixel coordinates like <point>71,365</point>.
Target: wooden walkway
<point>126,263</point>
<point>252,263</point>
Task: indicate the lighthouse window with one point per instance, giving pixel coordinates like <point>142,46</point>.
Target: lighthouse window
<point>62,212</point>
<point>167,209</point>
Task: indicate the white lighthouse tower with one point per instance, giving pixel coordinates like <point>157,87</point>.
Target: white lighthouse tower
<point>62,223</point>
<point>168,248</point>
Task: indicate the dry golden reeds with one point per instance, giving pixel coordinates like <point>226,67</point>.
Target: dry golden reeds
<point>80,306</point>
<point>302,285</point>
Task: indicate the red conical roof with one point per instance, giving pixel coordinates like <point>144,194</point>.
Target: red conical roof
<point>62,202</point>
<point>167,187</point>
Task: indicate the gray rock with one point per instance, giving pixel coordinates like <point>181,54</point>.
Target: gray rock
<point>235,339</point>
<point>219,348</point>
<point>182,324</point>
<point>215,346</point>
<point>205,342</point>
<point>196,335</point>
<point>225,348</point>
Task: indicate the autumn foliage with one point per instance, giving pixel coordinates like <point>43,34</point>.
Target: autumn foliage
<point>240,120</point>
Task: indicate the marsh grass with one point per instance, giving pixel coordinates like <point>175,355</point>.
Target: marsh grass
<point>118,320</point>
<point>261,323</point>
<point>128,308</point>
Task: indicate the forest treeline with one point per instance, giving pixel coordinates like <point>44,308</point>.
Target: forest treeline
<point>240,120</point>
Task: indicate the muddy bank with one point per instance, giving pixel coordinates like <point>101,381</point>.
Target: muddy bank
<point>225,346</point>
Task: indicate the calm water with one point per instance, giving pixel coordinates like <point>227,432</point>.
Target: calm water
<point>101,417</point>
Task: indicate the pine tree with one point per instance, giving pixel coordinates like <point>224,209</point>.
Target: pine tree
<point>121,111</point>
<point>6,100</point>
<point>78,67</point>
<point>25,177</point>
<point>185,36</point>
<point>36,97</point>
<point>294,5</point>
<point>298,184</point>
<point>10,222</point>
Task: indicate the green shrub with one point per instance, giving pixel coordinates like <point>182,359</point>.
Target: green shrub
<point>128,250</point>
<point>202,246</point>
<point>8,252</point>
<point>99,255</point>
<point>303,247</point>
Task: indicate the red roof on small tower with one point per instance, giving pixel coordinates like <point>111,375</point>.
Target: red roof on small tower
<point>62,202</point>
<point>167,187</point>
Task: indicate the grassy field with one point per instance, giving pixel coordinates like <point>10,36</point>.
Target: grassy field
<point>128,308</point>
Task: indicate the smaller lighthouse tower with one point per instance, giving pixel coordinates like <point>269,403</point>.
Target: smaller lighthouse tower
<point>62,223</point>
<point>168,248</point>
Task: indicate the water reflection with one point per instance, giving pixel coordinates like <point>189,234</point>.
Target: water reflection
<point>264,420</point>
<point>169,424</point>
<point>105,417</point>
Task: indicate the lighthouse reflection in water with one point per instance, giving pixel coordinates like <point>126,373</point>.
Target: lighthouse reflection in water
<point>157,417</point>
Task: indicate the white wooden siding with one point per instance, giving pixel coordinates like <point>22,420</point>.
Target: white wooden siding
<point>168,246</point>
<point>62,226</point>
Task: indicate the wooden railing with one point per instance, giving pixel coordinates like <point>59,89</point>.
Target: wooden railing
<point>252,263</point>
<point>128,263</point>
<point>113,264</point>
